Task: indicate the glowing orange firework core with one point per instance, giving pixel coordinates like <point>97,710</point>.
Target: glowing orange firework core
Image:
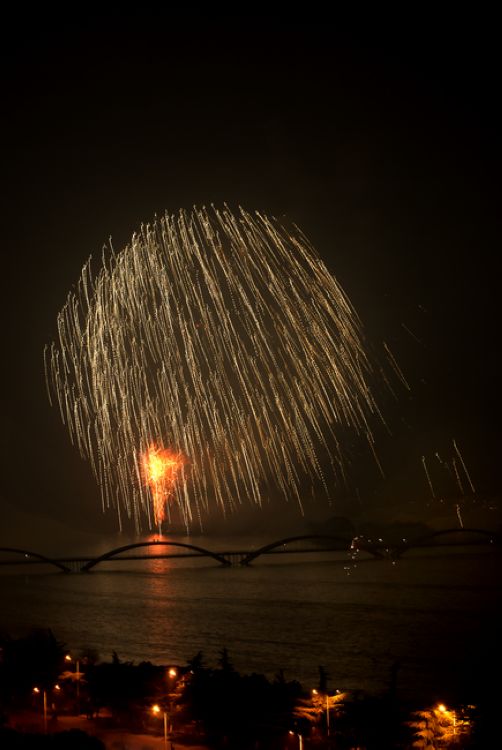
<point>160,470</point>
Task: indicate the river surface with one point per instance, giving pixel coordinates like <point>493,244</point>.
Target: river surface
<point>435,614</point>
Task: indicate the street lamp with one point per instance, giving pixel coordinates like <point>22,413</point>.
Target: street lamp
<point>172,675</point>
<point>156,710</point>
<point>300,739</point>
<point>77,677</point>
<point>451,715</point>
<point>37,691</point>
<point>316,692</point>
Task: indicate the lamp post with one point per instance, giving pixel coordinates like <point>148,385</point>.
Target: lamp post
<point>300,739</point>
<point>156,710</point>
<point>37,690</point>
<point>77,677</point>
<point>316,692</point>
<point>171,675</point>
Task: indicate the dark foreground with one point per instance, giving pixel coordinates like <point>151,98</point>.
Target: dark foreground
<point>49,699</point>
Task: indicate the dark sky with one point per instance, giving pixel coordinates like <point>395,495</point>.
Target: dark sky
<point>380,138</point>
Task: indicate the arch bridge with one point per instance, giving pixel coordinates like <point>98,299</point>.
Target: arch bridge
<point>330,543</point>
<point>336,544</point>
<point>198,552</point>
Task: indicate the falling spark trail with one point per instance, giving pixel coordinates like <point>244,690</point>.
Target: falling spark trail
<point>411,333</point>
<point>396,367</point>
<point>222,341</point>
<point>464,466</point>
<point>457,477</point>
<point>428,478</point>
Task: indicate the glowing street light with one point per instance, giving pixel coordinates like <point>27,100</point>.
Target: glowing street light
<point>156,710</point>
<point>450,715</point>
<point>300,739</point>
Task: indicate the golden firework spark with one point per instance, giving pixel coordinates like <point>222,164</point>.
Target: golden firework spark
<point>225,336</point>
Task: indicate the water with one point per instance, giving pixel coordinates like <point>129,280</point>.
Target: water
<point>435,612</point>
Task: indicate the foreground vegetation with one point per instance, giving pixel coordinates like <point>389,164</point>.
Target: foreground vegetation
<point>214,704</point>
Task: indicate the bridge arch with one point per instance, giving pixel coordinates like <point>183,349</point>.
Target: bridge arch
<point>117,551</point>
<point>38,556</point>
<point>428,539</point>
<point>348,544</point>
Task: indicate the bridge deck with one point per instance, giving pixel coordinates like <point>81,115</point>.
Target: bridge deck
<point>170,555</point>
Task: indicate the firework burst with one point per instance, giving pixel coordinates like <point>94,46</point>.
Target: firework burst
<point>212,362</point>
<point>160,471</point>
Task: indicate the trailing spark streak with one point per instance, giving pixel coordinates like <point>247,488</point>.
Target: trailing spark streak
<point>223,340</point>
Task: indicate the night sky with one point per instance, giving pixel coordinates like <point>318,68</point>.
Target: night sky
<point>380,139</point>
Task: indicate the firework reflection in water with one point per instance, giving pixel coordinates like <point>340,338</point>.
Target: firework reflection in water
<point>223,339</point>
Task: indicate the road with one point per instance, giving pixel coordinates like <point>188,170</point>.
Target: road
<point>113,739</point>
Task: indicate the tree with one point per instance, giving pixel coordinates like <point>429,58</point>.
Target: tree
<point>238,711</point>
<point>34,660</point>
<point>125,688</point>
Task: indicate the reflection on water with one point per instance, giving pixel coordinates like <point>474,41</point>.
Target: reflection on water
<point>436,612</point>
